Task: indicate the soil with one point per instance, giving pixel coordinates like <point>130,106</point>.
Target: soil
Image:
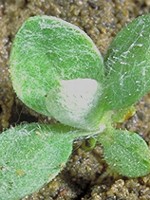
<point>86,176</point>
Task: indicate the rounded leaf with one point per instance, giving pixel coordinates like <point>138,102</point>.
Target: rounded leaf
<point>30,156</point>
<point>126,153</point>
<point>47,54</point>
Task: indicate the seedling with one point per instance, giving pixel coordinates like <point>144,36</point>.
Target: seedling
<point>57,71</point>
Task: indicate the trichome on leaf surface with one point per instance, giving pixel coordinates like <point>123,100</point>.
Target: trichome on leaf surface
<point>58,71</point>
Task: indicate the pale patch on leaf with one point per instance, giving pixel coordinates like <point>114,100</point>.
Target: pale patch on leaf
<point>73,101</point>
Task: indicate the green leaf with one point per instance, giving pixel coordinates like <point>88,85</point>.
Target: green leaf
<point>47,54</point>
<point>126,153</point>
<point>30,156</point>
<point>128,64</point>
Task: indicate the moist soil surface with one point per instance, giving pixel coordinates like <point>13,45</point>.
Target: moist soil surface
<point>86,176</point>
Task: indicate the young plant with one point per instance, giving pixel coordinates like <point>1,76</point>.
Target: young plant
<point>57,71</point>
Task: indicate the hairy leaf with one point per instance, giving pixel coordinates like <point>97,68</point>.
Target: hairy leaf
<point>128,64</point>
<point>47,54</point>
<point>30,156</point>
<point>126,153</point>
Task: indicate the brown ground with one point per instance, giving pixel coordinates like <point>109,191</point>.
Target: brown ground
<point>86,176</point>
